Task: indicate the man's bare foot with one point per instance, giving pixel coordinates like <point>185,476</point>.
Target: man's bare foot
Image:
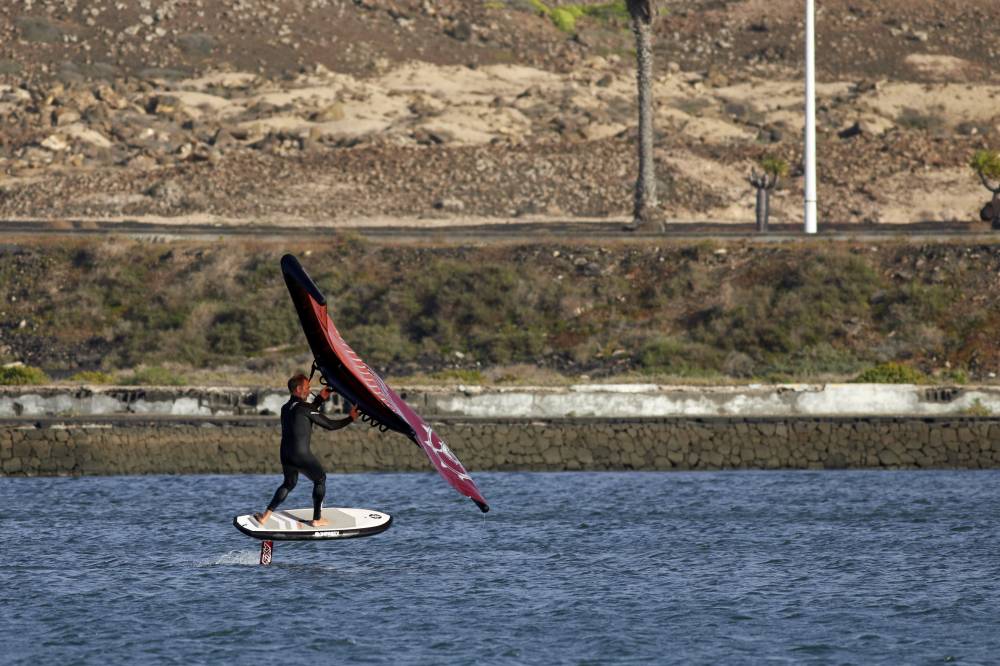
<point>261,517</point>
<point>320,522</point>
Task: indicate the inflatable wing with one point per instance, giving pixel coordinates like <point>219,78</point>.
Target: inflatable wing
<point>348,375</point>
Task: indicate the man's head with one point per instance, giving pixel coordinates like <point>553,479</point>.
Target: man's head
<point>298,385</point>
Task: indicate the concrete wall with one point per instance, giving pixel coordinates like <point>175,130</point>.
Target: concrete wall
<point>18,401</point>
<point>587,400</point>
<point>651,400</point>
<point>145,446</point>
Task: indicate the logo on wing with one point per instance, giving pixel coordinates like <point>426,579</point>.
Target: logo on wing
<point>443,452</point>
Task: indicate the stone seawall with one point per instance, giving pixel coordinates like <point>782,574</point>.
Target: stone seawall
<point>168,446</point>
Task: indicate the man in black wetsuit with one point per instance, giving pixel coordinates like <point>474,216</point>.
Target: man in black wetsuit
<point>297,417</point>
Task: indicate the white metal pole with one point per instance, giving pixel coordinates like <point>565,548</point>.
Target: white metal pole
<point>810,152</point>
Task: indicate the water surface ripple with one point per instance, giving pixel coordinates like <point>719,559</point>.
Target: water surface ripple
<point>568,568</point>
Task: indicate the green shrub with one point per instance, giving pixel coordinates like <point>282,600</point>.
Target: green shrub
<point>540,7</point>
<point>381,345</point>
<point>987,162</point>
<point>242,330</point>
<point>797,306</point>
<point>154,376</point>
<point>917,120</point>
<point>93,377</point>
<point>977,409</point>
<point>819,360</point>
<point>486,309</point>
<point>957,376</point>
<point>774,166</point>
<point>21,375</point>
<point>565,16</point>
<point>913,303</point>
<point>670,356</point>
<point>891,373</point>
<point>460,375</point>
<point>608,10</point>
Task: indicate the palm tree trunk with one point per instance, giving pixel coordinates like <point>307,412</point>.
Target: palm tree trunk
<point>644,212</point>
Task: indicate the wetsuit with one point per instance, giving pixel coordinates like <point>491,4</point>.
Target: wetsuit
<point>297,418</point>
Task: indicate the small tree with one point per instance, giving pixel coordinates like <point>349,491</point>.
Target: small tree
<point>987,165</point>
<point>772,168</point>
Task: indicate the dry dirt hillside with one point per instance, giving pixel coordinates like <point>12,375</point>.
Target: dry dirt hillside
<point>346,112</point>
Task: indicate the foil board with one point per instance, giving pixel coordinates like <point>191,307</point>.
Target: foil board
<point>292,525</point>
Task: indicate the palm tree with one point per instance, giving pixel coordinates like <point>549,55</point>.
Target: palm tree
<point>644,212</point>
<point>773,169</point>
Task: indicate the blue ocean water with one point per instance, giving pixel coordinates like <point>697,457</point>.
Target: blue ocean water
<point>568,568</point>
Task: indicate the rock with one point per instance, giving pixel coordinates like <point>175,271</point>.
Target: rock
<point>596,131</point>
<point>888,458</point>
<point>440,135</point>
<point>313,141</point>
<point>223,138</point>
<point>771,134</point>
<point>866,86</point>
<point>167,192</point>
<point>332,113</point>
<point>141,163</point>
<point>738,364</point>
<point>853,130</point>
<point>987,213</point>
<point>164,73</point>
<point>55,143</point>
<point>461,30</point>
<point>529,208</point>
<point>168,106</point>
<point>8,66</point>
<point>966,128</point>
<point>716,79</point>
<point>197,43</point>
<point>450,205</point>
<point>64,116</point>
<point>105,94</point>
<point>14,95</point>
<point>86,135</point>
<point>34,156</point>
<point>38,29</point>
<point>426,106</point>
